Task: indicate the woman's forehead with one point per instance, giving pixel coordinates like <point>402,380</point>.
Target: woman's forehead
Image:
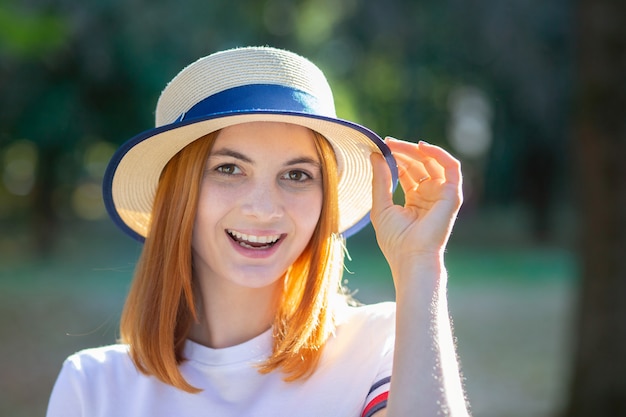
<point>276,137</point>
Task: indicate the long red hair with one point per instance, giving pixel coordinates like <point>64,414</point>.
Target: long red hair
<point>160,307</point>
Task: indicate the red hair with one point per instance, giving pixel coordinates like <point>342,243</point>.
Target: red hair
<point>160,306</point>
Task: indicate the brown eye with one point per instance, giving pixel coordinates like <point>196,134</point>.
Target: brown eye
<point>297,175</point>
<point>228,169</point>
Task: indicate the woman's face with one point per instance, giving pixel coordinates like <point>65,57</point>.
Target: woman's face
<point>260,201</point>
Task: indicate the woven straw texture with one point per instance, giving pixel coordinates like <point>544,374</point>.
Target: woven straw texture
<point>235,68</point>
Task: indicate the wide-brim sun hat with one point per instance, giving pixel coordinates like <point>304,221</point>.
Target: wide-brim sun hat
<point>232,87</point>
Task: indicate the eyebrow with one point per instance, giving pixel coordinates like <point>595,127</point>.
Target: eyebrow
<point>238,155</point>
<point>303,160</point>
<point>231,153</point>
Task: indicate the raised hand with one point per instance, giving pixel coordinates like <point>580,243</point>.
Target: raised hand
<point>432,183</point>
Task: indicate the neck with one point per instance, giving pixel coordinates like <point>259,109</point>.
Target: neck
<point>229,315</point>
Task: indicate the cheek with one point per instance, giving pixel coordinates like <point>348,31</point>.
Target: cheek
<point>211,206</point>
<point>307,211</point>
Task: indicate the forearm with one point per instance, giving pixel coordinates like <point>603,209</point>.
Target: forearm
<point>426,380</point>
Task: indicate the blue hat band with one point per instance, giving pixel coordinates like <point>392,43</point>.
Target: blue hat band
<point>258,97</point>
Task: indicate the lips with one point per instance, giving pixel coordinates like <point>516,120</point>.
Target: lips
<point>250,241</point>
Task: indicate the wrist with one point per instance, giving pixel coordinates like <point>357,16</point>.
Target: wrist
<point>419,273</point>
<point>416,261</point>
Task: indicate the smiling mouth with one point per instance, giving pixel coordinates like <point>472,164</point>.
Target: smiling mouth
<point>253,241</point>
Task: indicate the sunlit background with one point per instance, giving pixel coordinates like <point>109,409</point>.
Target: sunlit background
<point>492,81</point>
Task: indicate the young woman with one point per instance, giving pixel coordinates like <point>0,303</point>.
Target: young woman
<point>244,194</point>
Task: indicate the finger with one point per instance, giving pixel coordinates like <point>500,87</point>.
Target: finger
<point>397,145</point>
<point>411,172</point>
<point>441,162</point>
<point>424,148</point>
<point>434,169</point>
<point>449,166</point>
<point>414,152</point>
<point>410,153</point>
<point>381,184</point>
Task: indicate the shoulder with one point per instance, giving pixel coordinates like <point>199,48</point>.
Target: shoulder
<point>100,361</point>
<point>358,358</point>
<point>384,310</point>
<point>373,322</point>
<point>100,354</point>
<point>89,375</point>
<point>381,314</point>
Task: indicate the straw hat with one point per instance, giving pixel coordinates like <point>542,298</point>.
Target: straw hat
<point>232,87</point>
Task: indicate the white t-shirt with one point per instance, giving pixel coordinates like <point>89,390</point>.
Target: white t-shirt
<point>352,379</point>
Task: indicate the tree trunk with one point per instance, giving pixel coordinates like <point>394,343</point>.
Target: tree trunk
<point>598,381</point>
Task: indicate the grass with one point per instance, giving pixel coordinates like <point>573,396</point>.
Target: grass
<point>511,306</point>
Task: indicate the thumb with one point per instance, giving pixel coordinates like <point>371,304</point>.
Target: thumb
<point>382,196</point>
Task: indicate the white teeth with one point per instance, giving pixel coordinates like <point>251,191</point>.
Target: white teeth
<point>254,238</point>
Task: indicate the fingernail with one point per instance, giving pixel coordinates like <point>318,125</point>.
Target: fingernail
<point>423,142</point>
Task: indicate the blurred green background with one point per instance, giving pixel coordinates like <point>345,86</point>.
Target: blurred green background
<point>492,81</point>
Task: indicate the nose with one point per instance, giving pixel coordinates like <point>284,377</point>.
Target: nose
<point>263,201</point>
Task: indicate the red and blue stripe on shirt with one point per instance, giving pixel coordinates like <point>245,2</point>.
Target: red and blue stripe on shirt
<point>377,397</point>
